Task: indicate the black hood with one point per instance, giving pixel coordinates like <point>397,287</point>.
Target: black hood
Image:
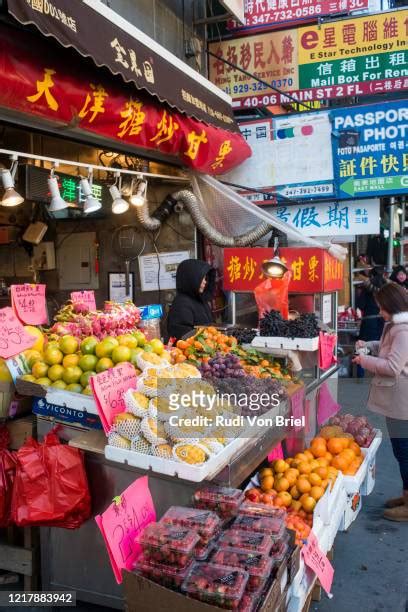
<point>190,273</point>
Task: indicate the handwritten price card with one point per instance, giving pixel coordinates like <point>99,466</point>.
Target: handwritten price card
<point>13,337</point>
<point>123,522</point>
<point>108,389</point>
<point>297,404</point>
<point>29,304</point>
<point>318,562</point>
<point>84,298</point>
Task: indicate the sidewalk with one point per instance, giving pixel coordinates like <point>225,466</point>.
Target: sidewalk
<point>370,560</point>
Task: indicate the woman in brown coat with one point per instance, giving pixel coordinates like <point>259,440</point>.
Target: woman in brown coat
<point>388,362</point>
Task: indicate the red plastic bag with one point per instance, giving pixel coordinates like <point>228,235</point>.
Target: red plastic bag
<point>272,294</point>
<point>50,487</point>
<point>327,343</point>
<point>7,473</point>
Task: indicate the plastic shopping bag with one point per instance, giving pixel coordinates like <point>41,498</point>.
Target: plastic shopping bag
<point>327,344</point>
<point>50,487</point>
<point>7,473</point>
<point>272,294</point>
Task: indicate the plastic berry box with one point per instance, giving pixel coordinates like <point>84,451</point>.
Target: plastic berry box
<point>278,551</point>
<point>169,544</point>
<point>202,553</point>
<point>249,602</point>
<point>253,508</point>
<point>274,527</point>
<point>247,540</point>
<point>216,584</point>
<point>205,522</point>
<point>259,567</point>
<point>222,500</point>
<point>169,576</point>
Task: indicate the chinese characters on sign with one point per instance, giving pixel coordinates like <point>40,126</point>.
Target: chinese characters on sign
<point>359,56</point>
<point>318,562</point>
<point>108,389</point>
<point>84,298</point>
<point>313,270</point>
<point>331,218</point>
<point>375,159</point>
<point>265,14</point>
<point>28,302</point>
<point>13,337</point>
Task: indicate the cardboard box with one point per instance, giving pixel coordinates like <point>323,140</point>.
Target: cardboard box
<point>369,481</point>
<point>353,507</point>
<point>6,394</point>
<point>20,430</point>
<point>143,595</point>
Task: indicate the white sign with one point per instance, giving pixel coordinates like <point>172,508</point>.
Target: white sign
<point>291,156</point>
<point>332,218</point>
<point>236,8</point>
<point>327,308</point>
<point>117,287</point>
<point>158,271</point>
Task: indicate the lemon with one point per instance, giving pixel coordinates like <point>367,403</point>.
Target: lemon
<point>34,331</point>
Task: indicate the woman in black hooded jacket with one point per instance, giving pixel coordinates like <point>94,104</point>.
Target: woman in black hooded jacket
<point>195,284</point>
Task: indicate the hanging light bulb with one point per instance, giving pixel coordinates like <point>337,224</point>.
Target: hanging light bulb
<point>57,202</point>
<point>119,205</point>
<point>274,268</point>
<point>91,204</point>
<point>10,197</point>
<point>138,197</point>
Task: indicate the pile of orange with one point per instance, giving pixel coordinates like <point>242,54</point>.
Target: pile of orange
<point>345,453</point>
<point>300,524</point>
<point>200,347</point>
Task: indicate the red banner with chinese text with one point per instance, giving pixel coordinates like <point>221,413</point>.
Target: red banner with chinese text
<point>56,85</point>
<point>313,270</point>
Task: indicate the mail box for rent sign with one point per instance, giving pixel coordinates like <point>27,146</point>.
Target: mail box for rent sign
<point>313,270</point>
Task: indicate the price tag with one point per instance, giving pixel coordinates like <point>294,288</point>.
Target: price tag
<point>326,405</point>
<point>29,304</point>
<point>84,298</point>
<point>108,389</point>
<point>318,562</point>
<point>276,453</point>
<point>123,522</point>
<point>13,337</point>
<point>297,404</point>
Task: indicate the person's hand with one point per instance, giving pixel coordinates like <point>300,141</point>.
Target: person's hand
<point>357,359</point>
<point>360,344</point>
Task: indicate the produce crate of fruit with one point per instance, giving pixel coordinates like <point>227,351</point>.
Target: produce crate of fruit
<point>275,527</point>
<point>164,543</point>
<point>259,567</point>
<point>256,509</point>
<point>292,344</point>
<point>246,540</point>
<point>206,523</point>
<point>58,397</point>
<point>222,500</point>
<point>216,584</point>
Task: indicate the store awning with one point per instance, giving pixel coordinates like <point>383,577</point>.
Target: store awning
<point>96,31</point>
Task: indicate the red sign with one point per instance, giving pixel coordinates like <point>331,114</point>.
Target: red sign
<point>56,87</point>
<point>13,337</point>
<point>268,14</point>
<point>318,562</point>
<point>313,270</point>
<point>123,522</point>
<point>29,303</point>
<point>84,298</point>
<point>108,389</point>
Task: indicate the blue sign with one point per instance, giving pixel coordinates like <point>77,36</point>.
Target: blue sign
<point>63,413</point>
<point>370,149</point>
<point>153,311</point>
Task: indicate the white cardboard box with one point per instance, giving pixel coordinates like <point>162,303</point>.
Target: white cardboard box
<point>353,507</point>
<point>294,344</point>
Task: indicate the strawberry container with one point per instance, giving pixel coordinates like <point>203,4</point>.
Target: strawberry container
<point>222,500</point>
<point>169,576</point>
<point>202,553</point>
<point>279,551</point>
<point>274,527</point>
<point>253,508</point>
<point>249,602</point>
<point>205,522</point>
<point>218,585</point>
<point>247,540</point>
<point>259,567</point>
<point>169,544</point>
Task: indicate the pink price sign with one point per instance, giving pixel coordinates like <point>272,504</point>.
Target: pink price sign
<point>123,522</point>
<point>13,337</point>
<point>84,298</point>
<point>29,303</point>
<point>108,389</point>
<point>318,562</point>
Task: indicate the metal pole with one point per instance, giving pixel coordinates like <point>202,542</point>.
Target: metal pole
<point>351,273</point>
<point>402,233</point>
<point>390,257</point>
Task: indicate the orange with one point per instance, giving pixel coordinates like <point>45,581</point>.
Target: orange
<point>323,461</point>
<point>340,463</point>
<point>296,505</point>
<point>304,467</point>
<point>345,440</point>
<point>309,454</point>
<point>325,482</point>
<point>318,447</point>
<point>280,466</point>
<point>70,361</point>
<point>335,445</point>
<point>265,472</point>
<point>294,491</point>
<point>308,504</point>
<point>355,448</point>
<point>301,457</point>
<point>289,460</point>
<point>303,485</point>
<point>291,475</point>
<point>285,497</point>
<point>328,456</point>
<point>267,483</point>
<point>321,471</point>
<point>348,454</point>
<point>316,492</point>
<point>315,479</point>
<point>314,464</point>
<point>282,484</point>
<point>318,440</point>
